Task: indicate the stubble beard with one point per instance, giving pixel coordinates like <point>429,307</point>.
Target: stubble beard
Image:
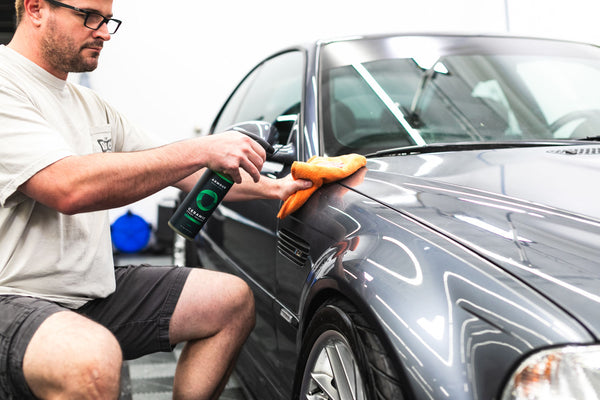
<point>60,51</point>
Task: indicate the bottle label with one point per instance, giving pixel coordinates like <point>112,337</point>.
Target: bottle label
<point>207,200</point>
<point>200,203</point>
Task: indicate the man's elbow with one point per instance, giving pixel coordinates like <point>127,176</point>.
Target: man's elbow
<point>68,205</point>
<point>65,202</point>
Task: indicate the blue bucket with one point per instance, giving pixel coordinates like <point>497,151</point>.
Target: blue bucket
<point>130,233</point>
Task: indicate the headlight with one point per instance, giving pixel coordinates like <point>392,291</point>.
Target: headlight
<point>557,374</point>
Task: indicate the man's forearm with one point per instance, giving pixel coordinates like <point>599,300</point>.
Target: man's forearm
<point>107,180</point>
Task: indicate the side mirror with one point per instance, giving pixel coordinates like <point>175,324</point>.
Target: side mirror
<point>286,153</point>
<point>259,131</point>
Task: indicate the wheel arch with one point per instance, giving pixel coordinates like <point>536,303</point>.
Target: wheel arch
<point>330,289</point>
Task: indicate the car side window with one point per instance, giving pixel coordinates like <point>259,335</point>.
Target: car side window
<point>228,114</point>
<point>271,93</point>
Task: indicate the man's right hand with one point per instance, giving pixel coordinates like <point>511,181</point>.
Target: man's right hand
<point>229,151</point>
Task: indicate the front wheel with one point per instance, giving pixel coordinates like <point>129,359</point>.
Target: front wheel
<point>343,359</point>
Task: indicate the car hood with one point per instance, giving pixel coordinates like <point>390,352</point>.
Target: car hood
<point>531,211</point>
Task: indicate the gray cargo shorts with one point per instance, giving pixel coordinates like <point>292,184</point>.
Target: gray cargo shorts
<point>138,313</point>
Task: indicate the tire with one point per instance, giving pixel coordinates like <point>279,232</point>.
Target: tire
<point>343,359</point>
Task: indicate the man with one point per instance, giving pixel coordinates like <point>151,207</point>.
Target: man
<point>67,316</point>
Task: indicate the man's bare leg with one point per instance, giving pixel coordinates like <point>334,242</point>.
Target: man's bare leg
<point>214,315</point>
<point>72,357</point>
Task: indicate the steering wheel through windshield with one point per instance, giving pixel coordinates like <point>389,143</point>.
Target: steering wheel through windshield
<point>589,126</point>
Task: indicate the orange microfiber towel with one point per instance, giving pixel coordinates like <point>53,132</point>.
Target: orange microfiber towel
<point>319,170</point>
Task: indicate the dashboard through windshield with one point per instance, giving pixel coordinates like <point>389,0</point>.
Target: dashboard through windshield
<point>409,92</point>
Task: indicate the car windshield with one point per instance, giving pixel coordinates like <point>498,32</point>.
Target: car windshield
<point>399,92</point>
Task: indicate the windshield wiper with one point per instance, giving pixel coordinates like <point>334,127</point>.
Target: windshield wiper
<point>591,138</point>
<point>389,103</point>
<point>462,146</point>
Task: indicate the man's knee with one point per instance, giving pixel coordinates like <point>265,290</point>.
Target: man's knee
<point>212,302</point>
<point>73,357</point>
<point>97,373</point>
<point>245,300</point>
<point>237,309</point>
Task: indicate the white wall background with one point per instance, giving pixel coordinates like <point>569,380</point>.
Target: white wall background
<point>172,64</point>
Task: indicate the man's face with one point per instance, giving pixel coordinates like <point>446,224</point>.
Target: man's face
<point>67,45</point>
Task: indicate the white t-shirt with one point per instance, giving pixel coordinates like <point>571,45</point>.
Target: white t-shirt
<point>43,253</point>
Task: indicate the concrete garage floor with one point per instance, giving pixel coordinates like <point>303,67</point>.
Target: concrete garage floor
<point>151,377</point>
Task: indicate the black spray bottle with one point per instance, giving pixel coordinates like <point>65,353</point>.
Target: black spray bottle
<point>207,194</point>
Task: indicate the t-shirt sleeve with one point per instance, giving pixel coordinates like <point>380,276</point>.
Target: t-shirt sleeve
<point>27,143</point>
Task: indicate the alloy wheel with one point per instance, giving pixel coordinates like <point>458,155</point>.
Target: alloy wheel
<point>332,372</point>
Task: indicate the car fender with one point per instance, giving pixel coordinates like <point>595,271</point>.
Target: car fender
<point>434,302</point>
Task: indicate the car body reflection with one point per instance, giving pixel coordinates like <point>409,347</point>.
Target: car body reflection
<point>467,246</point>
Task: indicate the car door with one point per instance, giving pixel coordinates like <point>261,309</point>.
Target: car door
<point>247,231</point>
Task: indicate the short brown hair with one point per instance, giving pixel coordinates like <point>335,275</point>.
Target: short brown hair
<point>20,9</point>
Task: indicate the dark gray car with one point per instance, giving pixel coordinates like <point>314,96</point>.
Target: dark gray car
<point>463,261</point>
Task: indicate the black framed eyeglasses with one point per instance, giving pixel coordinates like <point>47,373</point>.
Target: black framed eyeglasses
<point>92,20</point>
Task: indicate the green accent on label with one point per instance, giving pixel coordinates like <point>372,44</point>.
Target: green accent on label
<point>212,195</point>
<point>225,177</point>
<point>191,219</point>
